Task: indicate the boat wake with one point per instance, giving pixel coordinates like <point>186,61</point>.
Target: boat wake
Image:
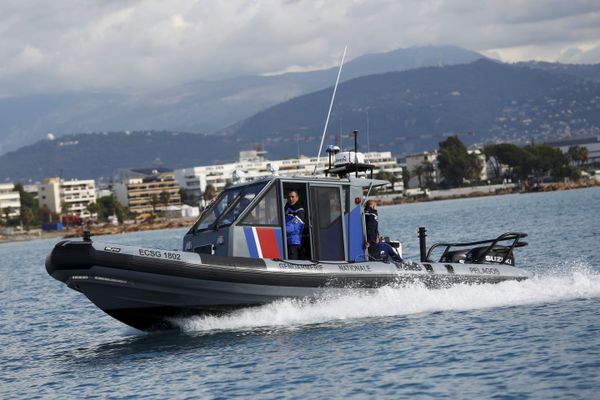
<point>554,284</point>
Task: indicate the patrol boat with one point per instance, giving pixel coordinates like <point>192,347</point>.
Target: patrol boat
<point>236,255</point>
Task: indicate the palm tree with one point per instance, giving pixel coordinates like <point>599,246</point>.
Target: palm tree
<point>209,193</point>
<point>154,203</point>
<point>386,176</point>
<point>7,211</point>
<point>93,209</point>
<point>419,172</point>
<point>428,170</point>
<point>578,154</point>
<point>26,217</point>
<point>65,208</point>
<point>165,197</point>
<point>405,177</point>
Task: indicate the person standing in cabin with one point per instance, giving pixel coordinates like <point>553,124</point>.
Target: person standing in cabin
<point>372,227</point>
<point>294,224</point>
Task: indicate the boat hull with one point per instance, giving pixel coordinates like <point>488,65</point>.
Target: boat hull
<point>146,288</point>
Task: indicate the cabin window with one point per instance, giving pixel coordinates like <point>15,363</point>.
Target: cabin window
<point>265,212</point>
<point>228,206</point>
<point>246,197</point>
<point>327,222</point>
<point>208,219</point>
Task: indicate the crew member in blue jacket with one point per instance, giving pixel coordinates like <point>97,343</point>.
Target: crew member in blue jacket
<point>385,252</point>
<point>372,227</point>
<point>294,224</point>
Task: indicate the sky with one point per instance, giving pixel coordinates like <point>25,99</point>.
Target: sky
<point>137,45</point>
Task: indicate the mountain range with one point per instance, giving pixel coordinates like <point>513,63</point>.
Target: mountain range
<point>199,106</point>
<point>413,110</point>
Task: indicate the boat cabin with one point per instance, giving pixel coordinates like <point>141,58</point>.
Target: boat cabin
<point>248,220</point>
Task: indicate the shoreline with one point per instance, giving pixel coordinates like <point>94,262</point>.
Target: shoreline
<point>384,200</point>
<point>387,200</point>
<point>106,229</point>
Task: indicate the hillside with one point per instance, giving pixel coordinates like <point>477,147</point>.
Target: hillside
<point>96,156</point>
<point>200,106</point>
<point>584,71</point>
<point>411,111</point>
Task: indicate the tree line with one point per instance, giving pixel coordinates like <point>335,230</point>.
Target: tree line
<point>535,161</point>
<point>459,167</point>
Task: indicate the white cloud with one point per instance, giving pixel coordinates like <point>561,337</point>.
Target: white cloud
<point>144,44</point>
<point>29,57</point>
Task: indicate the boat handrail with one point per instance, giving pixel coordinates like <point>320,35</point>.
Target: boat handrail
<point>514,236</point>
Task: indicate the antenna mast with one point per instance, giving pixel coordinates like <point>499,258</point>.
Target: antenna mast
<point>329,112</point>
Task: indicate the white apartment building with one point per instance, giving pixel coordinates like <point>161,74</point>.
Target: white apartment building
<point>76,195</point>
<point>252,165</point>
<point>9,199</point>
<point>413,161</point>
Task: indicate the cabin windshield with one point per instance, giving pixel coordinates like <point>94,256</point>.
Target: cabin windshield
<point>228,206</point>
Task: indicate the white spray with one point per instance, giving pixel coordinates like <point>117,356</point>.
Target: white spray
<point>578,282</point>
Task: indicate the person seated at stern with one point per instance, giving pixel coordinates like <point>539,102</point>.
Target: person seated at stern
<point>385,251</point>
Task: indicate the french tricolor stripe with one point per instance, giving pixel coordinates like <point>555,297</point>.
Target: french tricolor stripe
<point>251,242</point>
<point>263,242</point>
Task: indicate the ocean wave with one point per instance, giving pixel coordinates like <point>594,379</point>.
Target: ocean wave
<point>550,284</point>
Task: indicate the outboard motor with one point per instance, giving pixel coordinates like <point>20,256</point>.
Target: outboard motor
<point>495,255</point>
<point>457,256</point>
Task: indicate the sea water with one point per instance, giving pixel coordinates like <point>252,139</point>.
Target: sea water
<point>533,339</point>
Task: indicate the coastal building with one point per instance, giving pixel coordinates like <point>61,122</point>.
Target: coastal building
<point>423,168</point>
<point>10,201</point>
<point>252,165</point>
<point>591,143</point>
<point>495,169</point>
<point>147,190</point>
<point>483,173</point>
<point>71,196</point>
<point>384,161</point>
